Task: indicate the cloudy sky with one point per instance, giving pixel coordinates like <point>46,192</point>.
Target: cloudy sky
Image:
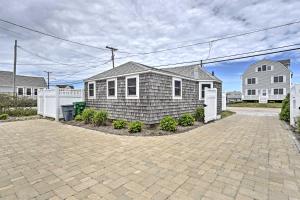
<point>135,27</point>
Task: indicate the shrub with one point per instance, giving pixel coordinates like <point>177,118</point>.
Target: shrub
<point>78,118</point>
<point>186,120</point>
<point>199,114</point>
<point>285,109</point>
<point>119,124</point>
<point>135,127</point>
<point>87,115</point>
<point>168,123</point>
<point>3,116</point>
<point>100,118</point>
<point>19,112</point>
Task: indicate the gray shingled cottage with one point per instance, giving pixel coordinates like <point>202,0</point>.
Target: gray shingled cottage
<point>133,91</point>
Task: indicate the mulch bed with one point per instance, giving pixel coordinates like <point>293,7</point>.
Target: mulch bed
<point>146,131</point>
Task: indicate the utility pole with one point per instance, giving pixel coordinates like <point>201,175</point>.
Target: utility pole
<point>48,75</point>
<point>112,54</point>
<point>15,68</point>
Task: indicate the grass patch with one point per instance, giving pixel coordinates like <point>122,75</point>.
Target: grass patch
<point>256,105</point>
<point>226,113</point>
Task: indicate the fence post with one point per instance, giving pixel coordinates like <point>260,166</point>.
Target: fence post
<point>82,94</point>
<point>44,102</point>
<point>57,109</point>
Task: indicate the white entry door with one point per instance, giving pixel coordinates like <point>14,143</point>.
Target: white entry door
<point>210,101</point>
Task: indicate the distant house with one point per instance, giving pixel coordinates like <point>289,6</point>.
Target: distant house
<point>133,91</point>
<point>266,81</point>
<point>65,86</point>
<point>26,86</point>
<point>233,96</point>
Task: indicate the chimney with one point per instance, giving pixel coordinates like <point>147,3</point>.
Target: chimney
<point>213,73</point>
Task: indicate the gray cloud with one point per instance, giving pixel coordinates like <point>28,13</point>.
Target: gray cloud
<point>139,26</point>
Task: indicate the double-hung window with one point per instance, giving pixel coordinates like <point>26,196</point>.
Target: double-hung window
<point>132,87</point>
<point>91,90</point>
<point>177,88</point>
<point>278,79</point>
<point>20,91</point>
<point>251,92</point>
<point>251,81</point>
<point>111,88</point>
<point>35,91</point>
<point>278,91</point>
<point>28,91</point>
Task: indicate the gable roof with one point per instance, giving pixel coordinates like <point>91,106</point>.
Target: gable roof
<point>133,68</point>
<point>6,79</point>
<point>193,71</point>
<point>286,62</point>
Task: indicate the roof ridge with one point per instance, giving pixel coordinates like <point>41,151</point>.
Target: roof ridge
<point>23,75</point>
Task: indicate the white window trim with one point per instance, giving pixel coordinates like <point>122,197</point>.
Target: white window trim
<point>116,88</point>
<point>26,92</point>
<point>137,96</point>
<point>173,88</point>
<point>18,91</point>
<point>200,88</point>
<point>283,79</point>
<point>91,97</point>
<point>256,92</point>
<point>256,81</point>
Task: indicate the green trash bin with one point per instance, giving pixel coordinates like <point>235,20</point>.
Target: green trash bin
<point>79,107</point>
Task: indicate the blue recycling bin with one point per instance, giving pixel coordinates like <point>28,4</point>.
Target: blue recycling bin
<point>68,112</point>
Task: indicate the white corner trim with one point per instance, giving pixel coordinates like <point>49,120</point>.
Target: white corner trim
<point>116,88</point>
<point>200,88</point>
<point>137,96</point>
<point>89,83</point>
<point>173,88</point>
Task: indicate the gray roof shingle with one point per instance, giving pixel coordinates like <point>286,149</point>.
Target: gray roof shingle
<point>6,79</point>
<point>133,67</point>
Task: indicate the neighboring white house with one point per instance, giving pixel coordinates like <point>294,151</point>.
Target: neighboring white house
<point>26,86</point>
<point>266,80</point>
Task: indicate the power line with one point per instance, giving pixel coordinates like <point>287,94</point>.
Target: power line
<point>229,59</point>
<point>219,39</point>
<point>56,62</point>
<point>50,35</point>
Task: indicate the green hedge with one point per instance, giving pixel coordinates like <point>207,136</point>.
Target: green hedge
<point>19,112</point>
<point>285,109</point>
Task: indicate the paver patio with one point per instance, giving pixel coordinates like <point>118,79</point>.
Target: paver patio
<point>240,157</point>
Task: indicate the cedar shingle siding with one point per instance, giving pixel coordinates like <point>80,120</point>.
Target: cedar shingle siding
<point>155,99</point>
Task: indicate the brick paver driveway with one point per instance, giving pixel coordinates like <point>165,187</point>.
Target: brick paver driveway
<point>240,157</point>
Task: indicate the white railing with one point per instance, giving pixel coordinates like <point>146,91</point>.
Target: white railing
<point>49,101</point>
<point>294,104</point>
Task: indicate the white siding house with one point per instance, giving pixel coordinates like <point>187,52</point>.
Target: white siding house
<point>266,80</point>
<point>26,86</point>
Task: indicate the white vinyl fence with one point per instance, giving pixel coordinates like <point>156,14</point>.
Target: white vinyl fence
<point>224,101</point>
<point>294,104</point>
<point>49,101</point>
